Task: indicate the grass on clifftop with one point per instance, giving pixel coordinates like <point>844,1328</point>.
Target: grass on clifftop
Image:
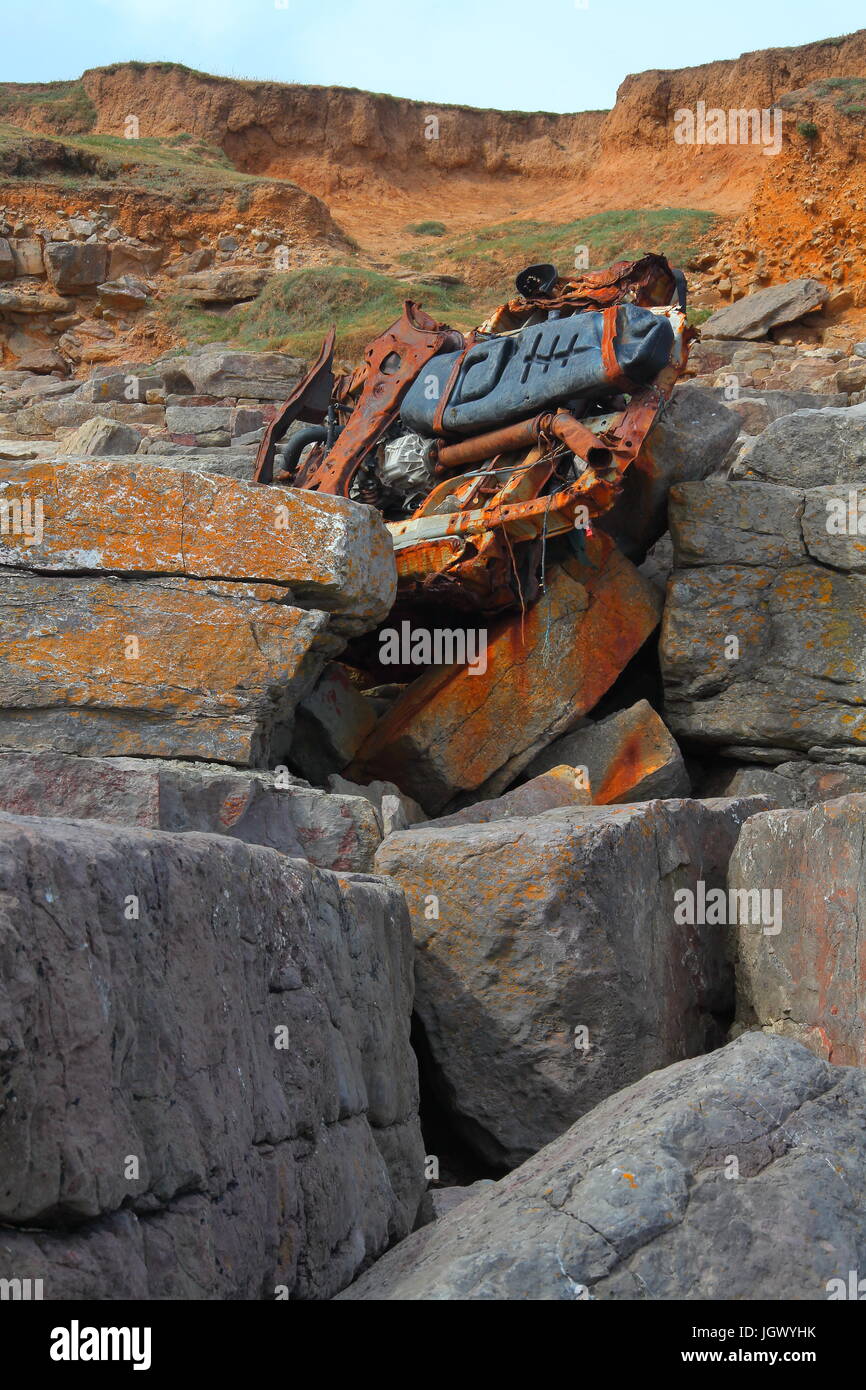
<point>295,310</point>
<point>609,236</point>
<point>70,109</point>
<point>181,165</point>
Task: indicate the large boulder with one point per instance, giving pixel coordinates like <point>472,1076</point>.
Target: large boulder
<point>805,979</point>
<point>210,1092</point>
<point>100,436</point>
<point>339,830</point>
<point>762,640</point>
<point>331,723</point>
<point>551,968</point>
<point>263,376</point>
<point>755,314</point>
<point>140,520</point>
<point>736,1176</point>
<point>8,269</point>
<point>74,266</point>
<point>455,731</point>
<point>809,448</point>
<point>629,756</point>
<point>175,615</point>
<point>229,285</point>
<point>556,786</point>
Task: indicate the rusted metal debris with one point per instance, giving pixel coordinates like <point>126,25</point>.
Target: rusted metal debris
<point>470,507</point>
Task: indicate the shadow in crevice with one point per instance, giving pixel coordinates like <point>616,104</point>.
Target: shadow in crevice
<point>458,1164</point>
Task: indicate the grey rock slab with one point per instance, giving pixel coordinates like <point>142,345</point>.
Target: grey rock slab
<point>147,981</point>
<point>334,831</point>
<point>755,314</point>
<point>550,969</point>
<point>636,1202</point>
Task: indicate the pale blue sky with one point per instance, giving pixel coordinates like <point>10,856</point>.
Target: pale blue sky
<point>530,55</point>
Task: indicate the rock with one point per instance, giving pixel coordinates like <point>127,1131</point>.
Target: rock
<point>7,260</point>
<point>659,563</point>
<point>27,301</point>
<point>197,419</point>
<point>45,417</point>
<point>395,811</point>
<point>757,409</point>
<point>445,1199</point>
<point>629,756</point>
<point>222,463</point>
<point>76,266</point>
<point>126,293</point>
<point>228,286</point>
<point>762,639</point>
<point>340,832</point>
<point>550,969</point>
<point>800,783</point>
<point>453,732</point>
<point>173,647</point>
<point>804,977</point>
<point>27,254</point>
<point>636,1200</point>
<point>266,376</point>
<point>132,258</point>
<point>331,723</point>
<point>139,519</point>
<point>755,314</point>
<point>164,667</point>
<point>859,349</point>
<point>556,786</point>
<point>688,442</point>
<point>809,448</point>
<point>43,361</point>
<point>131,385</point>
<point>237,1022</point>
<point>81,227</point>
<point>100,436</point>
<point>186,265</point>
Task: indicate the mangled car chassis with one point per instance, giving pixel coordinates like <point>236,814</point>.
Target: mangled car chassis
<point>478,447</point>
<point>481,448</point>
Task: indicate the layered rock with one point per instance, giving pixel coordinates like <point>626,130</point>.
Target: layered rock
<point>332,830</point>
<point>155,612</point>
<point>804,979</point>
<point>552,967</point>
<point>213,1093</point>
<point>736,1176</point>
<point>762,640</point>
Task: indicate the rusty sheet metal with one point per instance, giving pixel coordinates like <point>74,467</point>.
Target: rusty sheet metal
<point>392,363</point>
<point>648,282</point>
<point>309,401</point>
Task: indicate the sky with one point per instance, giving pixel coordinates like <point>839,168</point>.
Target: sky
<point>528,55</point>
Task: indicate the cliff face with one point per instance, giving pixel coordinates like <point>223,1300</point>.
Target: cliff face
<point>646,101</point>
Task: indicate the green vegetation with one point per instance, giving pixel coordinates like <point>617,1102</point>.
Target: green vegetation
<point>68,105</point>
<point>427,228</point>
<point>295,310</point>
<point>695,317</point>
<point>607,236</point>
<point>181,165</point>
<point>807,129</point>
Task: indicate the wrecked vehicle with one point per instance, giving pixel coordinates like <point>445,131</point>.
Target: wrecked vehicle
<point>478,448</point>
